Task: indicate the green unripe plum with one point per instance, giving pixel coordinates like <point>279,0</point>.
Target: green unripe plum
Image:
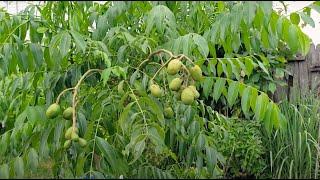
<point>155,90</point>
<point>187,96</point>
<point>175,84</point>
<point>174,66</point>
<point>67,114</point>
<point>196,73</point>
<point>53,111</point>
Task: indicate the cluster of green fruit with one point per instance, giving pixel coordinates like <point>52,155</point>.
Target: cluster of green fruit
<point>187,94</point>
<point>71,135</point>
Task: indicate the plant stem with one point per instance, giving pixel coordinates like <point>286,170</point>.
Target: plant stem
<point>154,53</point>
<point>59,96</point>
<point>76,88</point>
<point>162,67</point>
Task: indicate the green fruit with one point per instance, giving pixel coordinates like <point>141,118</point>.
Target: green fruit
<point>120,88</point>
<point>187,96</point>
<point>68,133</point>
<point>168,112</point>
<point>175,84</point>
<point>82,142</point>
<point>194,90</point>
<point>180,91</point>
<point>53,111</point>
<point>74,136</point>
<point>196,73</point>
<point>155,90</point>
<point>67,144</point>
<point>174,66</point>
<point>67,114</point>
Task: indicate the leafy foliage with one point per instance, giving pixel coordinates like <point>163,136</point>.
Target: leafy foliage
<point>241,47</point>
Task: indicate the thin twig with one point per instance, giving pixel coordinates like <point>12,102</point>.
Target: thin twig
<point>59,96</point>
<point>76,88</point>
<point>154,53</point>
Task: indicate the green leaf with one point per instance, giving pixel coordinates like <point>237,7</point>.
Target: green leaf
<point>265,38</point>
<point>160,16</point>
<point>276,116</point>
<point>292,41</point>
<point>307,19</point>
<point>245,101</point>
<point>42,29</point>
<point>268,118</point>
<point>249,65</point>
<point>65,43</point>
<point>138,149</point>
<point>260,108</point>
<point>18,167</point>
<point>253,98</point>
<point>105,75</point>
<point>207,86</point>
<point>218,88</point>
<point>233,91</point>
<point>4,171</point>
<point>116,162</point>
<point>154,107</point>
<point>37,53</point>
<point>211,157</point>
<point>33,160</point>
<point>202,44</point>
<point>79,40</point>
<point>315,7</point>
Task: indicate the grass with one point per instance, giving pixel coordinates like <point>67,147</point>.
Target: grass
<point>293,151</point>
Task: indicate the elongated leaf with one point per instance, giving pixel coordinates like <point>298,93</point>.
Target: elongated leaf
<point>268,118</point>
<point>105,75</point>
<point>18,167</point>
<point>293,43</point>
<point>232,93</point>
<point>207,86</point>
<point>79,40</point>
<point>33,160</point>
<point>218,88</point>
<point>116,163</point>
<point>261,104</point>
<point>202,44</point>
<point>4,171</point>
<point>307,19</point>
<point>245,101</point>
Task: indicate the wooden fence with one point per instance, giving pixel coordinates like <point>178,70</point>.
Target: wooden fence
<point>305,76</point>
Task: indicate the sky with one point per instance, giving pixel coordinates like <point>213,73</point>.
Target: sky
<point>313,33</point>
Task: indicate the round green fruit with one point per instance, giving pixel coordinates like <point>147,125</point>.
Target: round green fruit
<point>53,111</point>
<point>180,91</point>
<point>67,144</point>
<point>74,136</point>
<point>168,112</point>
<point>194,90</point>
<point>196,73</point>
<point>174,66</point>
<point>155,90</point>
<point>187,96</point>
<point>175,84</point>
<point>82,142</point>
<point>68,133</point>
<point>67,114</point>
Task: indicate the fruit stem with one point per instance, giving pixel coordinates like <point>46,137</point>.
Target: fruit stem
<point>163,67</point>
<point>155,53</point>
<point>76,88</point>
<point>183,56</point>
<point>59,96</point>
